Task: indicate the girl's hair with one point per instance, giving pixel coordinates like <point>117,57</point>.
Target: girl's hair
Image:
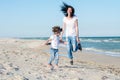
<point>65,7</point>
<point>56,29</point>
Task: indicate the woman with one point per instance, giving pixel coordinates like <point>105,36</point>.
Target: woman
<point>70,26</point>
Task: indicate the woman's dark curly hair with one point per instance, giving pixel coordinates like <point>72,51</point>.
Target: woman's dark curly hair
<point>65,7</point>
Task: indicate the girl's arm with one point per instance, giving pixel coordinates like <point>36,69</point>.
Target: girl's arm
<point>48,42</point>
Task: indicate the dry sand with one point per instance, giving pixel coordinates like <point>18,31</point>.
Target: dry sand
<point>27,60</point>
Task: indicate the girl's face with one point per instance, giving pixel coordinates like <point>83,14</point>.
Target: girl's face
<point>57,33</point>
<point>69,11</point>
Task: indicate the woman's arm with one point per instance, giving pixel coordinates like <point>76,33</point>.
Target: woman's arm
<point>77,30</point>
<point>63,29</point>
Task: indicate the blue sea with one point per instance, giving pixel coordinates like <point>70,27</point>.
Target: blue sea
<point>101,45</point>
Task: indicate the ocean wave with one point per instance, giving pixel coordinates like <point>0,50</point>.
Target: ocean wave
<point>106,40</point>
<point>110,53</point>
<point>93,49</point>
<point>90,40</point>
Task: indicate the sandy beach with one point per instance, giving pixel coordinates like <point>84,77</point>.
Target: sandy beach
<point>27,60</point>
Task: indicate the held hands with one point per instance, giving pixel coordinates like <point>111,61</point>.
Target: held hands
<point>64,42</point>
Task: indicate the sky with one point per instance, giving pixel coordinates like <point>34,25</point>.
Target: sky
<point>35,18</point>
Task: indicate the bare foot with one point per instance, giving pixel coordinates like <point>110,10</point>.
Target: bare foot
<point>50,66</point>
<point>56,66</point>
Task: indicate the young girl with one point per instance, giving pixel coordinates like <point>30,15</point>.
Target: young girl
<point>54,39</point>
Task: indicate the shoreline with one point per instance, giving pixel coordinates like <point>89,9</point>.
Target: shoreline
<point>100,59</point>
<point>112,54</point>
<point>27,59</point>
<point>92,50</point>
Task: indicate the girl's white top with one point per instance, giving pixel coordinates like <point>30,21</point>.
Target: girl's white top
<point>55,41</point>
<point>70,26</point>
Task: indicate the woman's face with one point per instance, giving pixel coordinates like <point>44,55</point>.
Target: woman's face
<point>69,11</point>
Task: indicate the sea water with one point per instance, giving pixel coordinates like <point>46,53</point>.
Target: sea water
<point>104,45</point>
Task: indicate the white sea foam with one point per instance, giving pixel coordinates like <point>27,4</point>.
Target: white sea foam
<point>110,53</point>
<point>106,40</point>
<point>110,40</point>
<point>90,40</point>
<point>93,49</point>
